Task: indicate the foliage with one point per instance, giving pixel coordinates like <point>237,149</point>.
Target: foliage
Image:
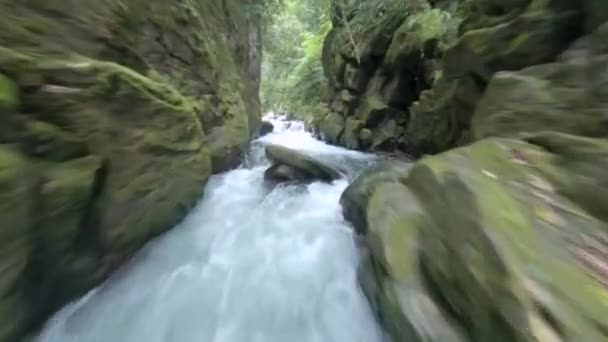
<point>265,10</point>
<point>292,76</point>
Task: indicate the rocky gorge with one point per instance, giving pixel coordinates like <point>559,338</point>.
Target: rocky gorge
<point>460,192</point>
<point>498,232</point>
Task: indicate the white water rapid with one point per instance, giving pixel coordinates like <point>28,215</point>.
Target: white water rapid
<point>249,264</point>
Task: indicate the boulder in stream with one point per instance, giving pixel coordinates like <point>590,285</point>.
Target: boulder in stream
<point>265,128</point>
<point>292,165</point>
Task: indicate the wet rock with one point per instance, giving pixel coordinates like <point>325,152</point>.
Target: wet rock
<point>534,37</point>
<point>503,239</point>
<point>577,171</point>
<point>66,196</point>
<point>352,129</point>
<point>45,140</point>
<point>566,96</point>
<point>295,165</point>
<point>366,138</point>
<point>372,110</point>
<point>331,127</point>
<point>286,173</point>
<point>385,136</point>
<point>265,128</point>
<point>116,115</point>
<point>372,40</point>
<point>356,78</point>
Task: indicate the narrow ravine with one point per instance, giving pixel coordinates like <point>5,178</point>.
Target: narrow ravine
<point>251,263</point>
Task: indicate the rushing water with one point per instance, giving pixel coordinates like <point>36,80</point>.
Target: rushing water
<point>249,264</point>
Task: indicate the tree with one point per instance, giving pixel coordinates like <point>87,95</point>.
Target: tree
<point>292,73</point>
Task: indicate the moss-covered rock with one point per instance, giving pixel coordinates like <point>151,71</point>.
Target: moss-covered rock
<point>504,239</point>
<point>397,291</point>
<point>386,135</point>
<point>117,113</point>
<point>372,110</point>
<point>66,196</point>
<point>441,115</point>
<point>331,127</point>
<point>366,137</point>
<point>450,266</point>
<point>386,62</point>
<point>360,40</point>
<point>9,94</point>
<point>420,36</point>
<point>499,7</point>
<point>16,210</point>
<point>352,130</point>
<point>565,96</point>
<point>355,198</point>
<point>596,13</point>
<point>578,169</point>
<point>436,72</point>
<point>503,38</point>
<point>534,37</point>
<point>44,140</point>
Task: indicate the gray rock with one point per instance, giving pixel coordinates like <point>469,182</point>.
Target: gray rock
<point>265,128</point>
<point>289,164</point>
<point>355,198</point>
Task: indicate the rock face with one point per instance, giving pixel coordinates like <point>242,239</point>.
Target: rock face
<point>478,244</point>
<point>414,73</point>
<point>506,238</point>
<point>113,114</point>
<point>355,197</point>
<point>291,165</point>
<point>265,128</point>
<point>378,58</point>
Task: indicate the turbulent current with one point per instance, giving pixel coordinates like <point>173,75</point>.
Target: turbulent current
<point>250,263</point>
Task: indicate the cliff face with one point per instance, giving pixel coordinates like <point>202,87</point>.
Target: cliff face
<point>407,75</point>
<point>504,238</point>
<point>379,58</point>
<point>113,114</point>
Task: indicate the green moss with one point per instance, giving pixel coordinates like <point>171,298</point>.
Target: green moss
<point>577,169</point>
<point>332,127</point>
<point>48,141</point>
<point>494,243</point>
<point>523,228</point>
<point>123,82</point>
<point>65,199</point>
<point>107,77</point>
<point>421,33</point>
<point>9,94</point>
<point>15,218</point>
<point>15,203</point>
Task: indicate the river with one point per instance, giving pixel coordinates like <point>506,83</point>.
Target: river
<point>250,263</point>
